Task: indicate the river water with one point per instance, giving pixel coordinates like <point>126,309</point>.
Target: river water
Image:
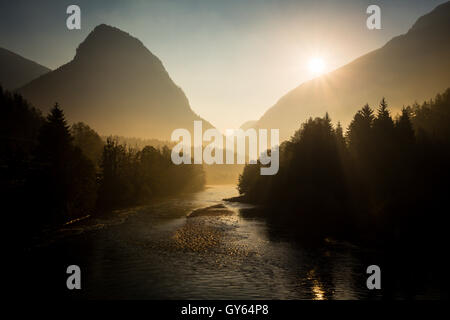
<point>158,252</point>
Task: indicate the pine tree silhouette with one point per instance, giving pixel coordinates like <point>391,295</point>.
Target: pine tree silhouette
<point>55,141</point>
<point>404,128</point>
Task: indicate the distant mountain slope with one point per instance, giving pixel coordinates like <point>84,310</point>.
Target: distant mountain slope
<point>248,124</point>
<point>411,67</point>
<point>15,70</point>
<point>117,86</point>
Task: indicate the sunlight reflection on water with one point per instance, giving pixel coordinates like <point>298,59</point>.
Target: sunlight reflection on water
<point>157,252</point>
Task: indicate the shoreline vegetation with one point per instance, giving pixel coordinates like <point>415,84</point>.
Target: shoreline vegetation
<point>385,181</point>
<point>383,186</point>
<point>69,172</point>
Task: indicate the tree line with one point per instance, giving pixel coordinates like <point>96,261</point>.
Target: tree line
<point>383,178</point>
<point>51,173</point>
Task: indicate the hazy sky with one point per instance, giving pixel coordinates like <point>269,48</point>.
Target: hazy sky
<point>233,58</point>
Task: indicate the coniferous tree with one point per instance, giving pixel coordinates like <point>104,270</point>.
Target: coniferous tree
<point>339,133</point>
<point>340,142</point>
<point>67,178</point>
<point>383,124</point>
<point>90,143</point>
<point>359,133</point>
<point>19,128</point>
<point>404,128</point>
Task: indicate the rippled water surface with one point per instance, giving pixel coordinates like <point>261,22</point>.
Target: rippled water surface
<point>157,251</point>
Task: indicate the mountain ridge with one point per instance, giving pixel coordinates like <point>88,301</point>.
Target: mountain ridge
<point>116,85</point>
<point>410,67</point>
<point>17,70</point>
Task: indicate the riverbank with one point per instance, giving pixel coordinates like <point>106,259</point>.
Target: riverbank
<point>215,211</point>
<point>199,246</point>
<point>164,251</point>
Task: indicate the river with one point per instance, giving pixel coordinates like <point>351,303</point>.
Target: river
<point>157,252</point>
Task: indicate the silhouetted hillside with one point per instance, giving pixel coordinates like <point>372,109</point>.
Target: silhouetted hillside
<point>118,86</point>
<point>409,68</point>
<point>385,179</point>
<point>15,70</point>
<point>248,124</point>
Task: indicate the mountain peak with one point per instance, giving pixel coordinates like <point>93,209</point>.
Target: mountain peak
<point>104,26</point>
<point>118,86</point>
<point>408,68</point>
<point>104,30</point>
<point>107,40</point>
<point>436,19</point>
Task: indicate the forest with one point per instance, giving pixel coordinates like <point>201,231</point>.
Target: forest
<point>383,180</point>
<point>70,172</point>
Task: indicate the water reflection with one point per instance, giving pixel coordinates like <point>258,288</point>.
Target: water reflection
<point>158,252</point>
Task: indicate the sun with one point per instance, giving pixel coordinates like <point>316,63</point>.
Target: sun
<point>316,65</point>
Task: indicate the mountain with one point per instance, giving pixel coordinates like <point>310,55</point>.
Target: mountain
<point>248,124</point>
<point>411,67</point>
<point>15,70</point>
<point>117,86</point>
